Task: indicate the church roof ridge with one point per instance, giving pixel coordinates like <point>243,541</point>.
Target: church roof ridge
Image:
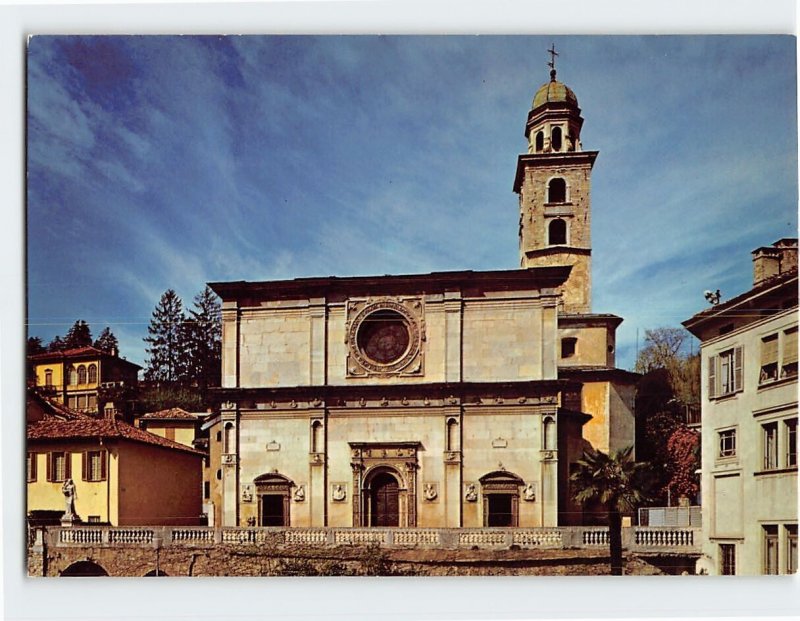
<point>547,276</point>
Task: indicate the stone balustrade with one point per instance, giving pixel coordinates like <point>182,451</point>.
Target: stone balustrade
<point>637,539</point>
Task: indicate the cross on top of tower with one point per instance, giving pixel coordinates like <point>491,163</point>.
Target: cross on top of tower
<point>552,63</point>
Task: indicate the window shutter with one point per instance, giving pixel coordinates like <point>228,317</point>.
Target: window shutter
<point>769,350</point>
<point>103,459</point>
<point>738,365</point>
<point>85,465</point>
<point>49,466</point>
<point>790,347</point>
<point>67,465</point>
<point>712,377</point>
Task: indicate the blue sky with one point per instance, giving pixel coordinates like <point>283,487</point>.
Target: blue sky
<point>168,162</point>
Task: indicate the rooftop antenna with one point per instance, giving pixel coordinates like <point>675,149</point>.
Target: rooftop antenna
<point>552,63</point>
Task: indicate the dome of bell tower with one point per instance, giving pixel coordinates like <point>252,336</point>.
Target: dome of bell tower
<point>554,92</point>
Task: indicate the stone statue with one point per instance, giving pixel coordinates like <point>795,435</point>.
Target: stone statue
<point>338,493</point>
<point>430,491</point>
<point>247,494</point>
<point>68,489</point>
<point>472,493</point>
<point>300,494</point>
<point>529,493</point>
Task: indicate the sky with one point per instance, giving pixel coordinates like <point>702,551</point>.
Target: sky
<point>159,162</point>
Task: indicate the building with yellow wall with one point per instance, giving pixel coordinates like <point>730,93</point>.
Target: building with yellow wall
<point>123,476</point>
<point>86,379</point>
<point>173,424</point>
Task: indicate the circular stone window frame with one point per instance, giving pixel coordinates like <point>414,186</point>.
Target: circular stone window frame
<point>415,337</point>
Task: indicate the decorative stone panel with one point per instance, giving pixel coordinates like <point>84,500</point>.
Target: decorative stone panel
<point>385,336</point>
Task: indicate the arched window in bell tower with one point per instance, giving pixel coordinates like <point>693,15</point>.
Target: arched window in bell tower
<point>556,139</point>
<point>557,191</point>
<point>539,146</point>
<point>557,232</point>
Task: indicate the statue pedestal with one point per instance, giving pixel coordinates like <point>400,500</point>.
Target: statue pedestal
<point>70,520</point>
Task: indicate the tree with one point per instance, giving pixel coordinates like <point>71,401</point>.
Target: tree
<point>204,340</point>
<point>670,385</point>
<point>57,344</point>
<point>664,349</point>
<point>683,448</point>
<point>167,347</point>
<point>79,335</point>
<point>616,481</point>
<point>34,346</point>
<point>107,342</point>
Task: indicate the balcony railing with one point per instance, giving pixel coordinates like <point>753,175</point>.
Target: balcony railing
<point>637,539</point>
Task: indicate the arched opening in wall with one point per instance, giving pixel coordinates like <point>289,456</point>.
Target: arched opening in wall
<point>452,443</point>
<point>549,434</point>
<point>556,141</point>
<point>383,496</point>
<point>92,373</point>
<point>316,436</point>
<point>72,374</point>
<point>84,568</point>
<point>228,444</point>
<point>557,190</point>
<point>48,378</point>
<point>557,232</point>
<point>81,374</point>
<point>155,572</point>
<point>539,142</point>
<point>500,491</point>
<point>273,492</point>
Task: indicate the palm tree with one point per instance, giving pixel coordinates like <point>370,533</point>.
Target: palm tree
<point>616,481</point>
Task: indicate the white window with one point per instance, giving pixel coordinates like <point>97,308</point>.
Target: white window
<point>789,361</point>
<point>770,533</point>
<point>769,359</point>
<point>770,431</point>
<point>94,466</point>
<point>727,443</point>
<point>727,559</point>
<point>58,466</point>
<point>725,373</point>
<point>791,442</point>
<point>31,467</point>
<point>778,356</point>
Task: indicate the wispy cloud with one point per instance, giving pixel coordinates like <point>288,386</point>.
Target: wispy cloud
<point>166,162</point>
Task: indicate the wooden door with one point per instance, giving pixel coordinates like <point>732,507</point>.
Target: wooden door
<point>385,501</point>
<point>272,510</point>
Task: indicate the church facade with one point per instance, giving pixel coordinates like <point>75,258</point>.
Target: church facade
<point>454,399</point>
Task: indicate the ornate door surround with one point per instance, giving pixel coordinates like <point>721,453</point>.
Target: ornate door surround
<point>368,459</point>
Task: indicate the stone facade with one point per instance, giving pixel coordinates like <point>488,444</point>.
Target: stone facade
<point>749,426</point>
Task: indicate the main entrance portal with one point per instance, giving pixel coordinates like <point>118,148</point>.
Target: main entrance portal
<point>384,501</point>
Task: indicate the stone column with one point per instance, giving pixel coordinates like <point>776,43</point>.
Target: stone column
<point>230,344</point>
<point>230,467</point>
<point>317,480</point>
<point>453,329</point>
<point>317,358</point>
<point>452,485</point>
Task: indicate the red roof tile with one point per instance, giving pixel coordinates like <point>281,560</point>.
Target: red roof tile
<point>78,352</point>
<point>52,428</point>
<point>172,414</point>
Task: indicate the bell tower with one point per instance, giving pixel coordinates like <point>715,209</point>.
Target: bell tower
<point>553,183</point>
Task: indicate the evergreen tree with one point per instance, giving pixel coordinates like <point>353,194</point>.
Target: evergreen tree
<point>204,340</point>
<point>57,344</point>
<point>79,335</point>
<point>35,346</point>
<point>107,342</point>
<point>167,345</point>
